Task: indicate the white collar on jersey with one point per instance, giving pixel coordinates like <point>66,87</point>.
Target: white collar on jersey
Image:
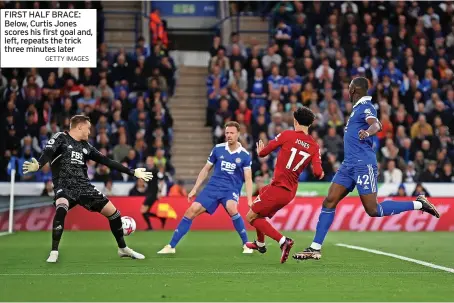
<point>236,150</point>
<point>362,100</point>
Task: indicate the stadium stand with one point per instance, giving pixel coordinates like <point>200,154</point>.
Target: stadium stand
<point>405,49</point>
<point>126,97</point>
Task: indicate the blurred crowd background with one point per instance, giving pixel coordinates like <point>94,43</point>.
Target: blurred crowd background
<point>125,97</point>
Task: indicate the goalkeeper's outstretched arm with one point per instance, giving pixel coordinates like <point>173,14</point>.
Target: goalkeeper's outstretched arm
<point>48,153</point>
<point>140,173</point>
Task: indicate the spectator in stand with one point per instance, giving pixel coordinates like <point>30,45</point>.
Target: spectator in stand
<point>430,174</point>
<point>44,174</point>
<point>400,191</point>
<point>48,190</point>
<point>139,188</point>
<point>392,173</point>
<point>447,174</point>
<point>420,190</point>
<point>410,175</point>
<point>178,190</point>
<point>108,188</point>
<point>270,58</point>
<point>221,60</point>
<point>333,142</point>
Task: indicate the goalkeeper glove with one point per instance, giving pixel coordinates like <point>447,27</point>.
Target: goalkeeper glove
<point>30,167</point>
<point>141,173</point>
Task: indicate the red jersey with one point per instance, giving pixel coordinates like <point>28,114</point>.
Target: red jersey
<point>297,151</point>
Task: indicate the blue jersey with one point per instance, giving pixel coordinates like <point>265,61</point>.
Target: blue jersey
<point>228,167</point>
<point>359,151</point>
<point>276,82</point>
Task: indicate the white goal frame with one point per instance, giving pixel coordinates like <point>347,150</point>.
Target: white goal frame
<point>11,205</point>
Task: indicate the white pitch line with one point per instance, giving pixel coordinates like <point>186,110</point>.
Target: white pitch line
<point>4,234</point>
<point>378,252</point>
<point>205,272</point>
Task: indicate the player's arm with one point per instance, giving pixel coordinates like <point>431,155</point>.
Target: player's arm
<point>248,181</point>
<point>317,165</point>
<point>374,124</point>
<point>263,151</point>
<point>140,173</point>
<point>203,174</point>
<point>48,153</point>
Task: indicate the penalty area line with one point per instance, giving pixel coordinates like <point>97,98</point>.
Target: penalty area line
<point>382,253</point>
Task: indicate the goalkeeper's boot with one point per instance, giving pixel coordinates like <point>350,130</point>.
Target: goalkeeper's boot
<point>428,207</point>
<point>167,250</point>
<point>308,253</point>
<point>129,253</point>
<point>286,247</point>
<point>254,245</point>
<point>53,257</point>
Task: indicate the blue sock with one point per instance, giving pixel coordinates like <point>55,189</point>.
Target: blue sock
<point>325,220</point>
<point>389,208</point>
<point>240,228</point>
<point>182,229</point>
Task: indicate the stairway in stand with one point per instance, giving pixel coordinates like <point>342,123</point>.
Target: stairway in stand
<point>192,139</point>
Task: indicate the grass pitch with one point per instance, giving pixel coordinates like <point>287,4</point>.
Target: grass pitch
<point>209,266</point>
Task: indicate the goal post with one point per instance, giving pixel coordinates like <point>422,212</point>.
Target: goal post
<point>7,207</point>
<point>11,202</point>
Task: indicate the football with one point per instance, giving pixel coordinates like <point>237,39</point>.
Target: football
<point>128,224</point>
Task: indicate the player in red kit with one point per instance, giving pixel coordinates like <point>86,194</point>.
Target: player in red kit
<point>297,150</point>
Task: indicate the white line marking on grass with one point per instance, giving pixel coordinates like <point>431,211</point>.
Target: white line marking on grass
<point>209,272</point>
<point>4,234</point>
<point>378,252</point>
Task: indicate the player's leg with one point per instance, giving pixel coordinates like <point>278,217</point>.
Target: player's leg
<point>113,215</point>
<point>367,189</point>
<point>259,243</point>
<point>336,193</point>
<point>271,200</point>
<point>183,227</point>
<point>147,214</point>
<point>58,226</point>
<point>144,210</point>
<point>342,184</point>
<point>231,206</point>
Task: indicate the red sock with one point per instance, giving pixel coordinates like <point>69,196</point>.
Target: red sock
<point>260,236</point>
<point>266,228</point>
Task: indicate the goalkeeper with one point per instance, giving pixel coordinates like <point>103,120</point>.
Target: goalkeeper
<point>67,153</point>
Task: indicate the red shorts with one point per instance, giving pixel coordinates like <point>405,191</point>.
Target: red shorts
<point>271,199</point>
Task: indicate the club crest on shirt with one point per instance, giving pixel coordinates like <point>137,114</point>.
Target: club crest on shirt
<point>238,160</point>
<point>85,151</point>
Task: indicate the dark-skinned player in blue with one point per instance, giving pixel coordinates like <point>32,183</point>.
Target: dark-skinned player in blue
<point>359,169</point>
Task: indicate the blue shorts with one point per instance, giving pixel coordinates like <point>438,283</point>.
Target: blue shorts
<point>211,196</point>
<point>363,176</point>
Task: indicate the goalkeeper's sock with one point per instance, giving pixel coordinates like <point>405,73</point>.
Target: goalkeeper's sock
<point>117,228</point>
<point>325,220</point>
<point>182,229</point>
<point>390,208</point>
<point>266,228</point>
<point>58,225</point>
<point>238,223</point>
